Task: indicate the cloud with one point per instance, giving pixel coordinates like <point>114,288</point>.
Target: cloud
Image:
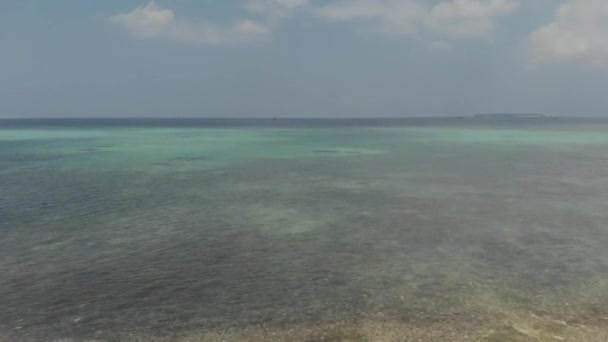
<point>468,18</point>
<point>390,16</point>
<point>152,21</point>
<point>275,9</point>
<point>456,18</point>
<point>578,33</point>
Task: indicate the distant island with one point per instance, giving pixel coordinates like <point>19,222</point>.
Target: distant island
<point>509,116</point>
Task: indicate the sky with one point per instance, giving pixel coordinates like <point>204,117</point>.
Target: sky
<point>302,58</point>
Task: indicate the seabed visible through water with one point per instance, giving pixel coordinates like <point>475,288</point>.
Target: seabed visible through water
<point>428,230</point>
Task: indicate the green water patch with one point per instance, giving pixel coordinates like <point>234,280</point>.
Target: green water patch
<point>459,135</point>
<point>160,149</point>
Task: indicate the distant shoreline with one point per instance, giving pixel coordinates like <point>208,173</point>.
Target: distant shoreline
<point>510,116</point>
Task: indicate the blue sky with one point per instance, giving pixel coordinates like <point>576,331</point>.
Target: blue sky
<point>286,58</point>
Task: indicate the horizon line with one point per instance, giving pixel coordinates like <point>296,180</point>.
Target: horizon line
<point>465,116</point>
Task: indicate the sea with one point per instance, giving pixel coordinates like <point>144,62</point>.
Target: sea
<point>313,230</point>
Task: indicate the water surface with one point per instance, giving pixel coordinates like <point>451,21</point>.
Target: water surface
<point>312,230</point>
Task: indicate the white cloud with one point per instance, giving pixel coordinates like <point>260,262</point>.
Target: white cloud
<point>391,16</point>
<point>152,21</point>
<point>468,18</point>
<point>578,33</point>
<point>456,18</point>
<point>275,9</point>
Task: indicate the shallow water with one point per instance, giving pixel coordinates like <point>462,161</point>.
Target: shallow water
<point>114,230</point>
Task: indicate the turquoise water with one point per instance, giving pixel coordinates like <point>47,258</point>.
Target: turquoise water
<point>485,230</point>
